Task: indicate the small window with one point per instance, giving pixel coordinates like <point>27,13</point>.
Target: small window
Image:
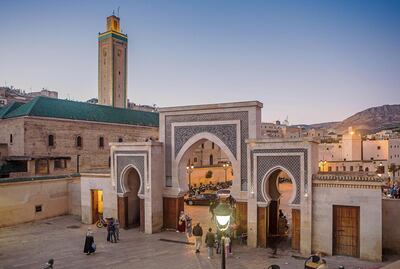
<point>60,164</point>
<point>372,158</point>
<point>379,147</point>
<point>195,159</point>
<point>212,145</point>
<point>329,169</point>
<point>202,146</point>
<point>351,168</point>
<point>120,140</point>
<point>101,142</point>
<point>211,159</point>
<point>79,141</point>
<point>360,169</point>
<point>50,141</point>
<point>366,169</point>
<point>340,146</point>
<point>11,138</point>
<point>344,168</point>
<point>109,161</point>
<point>38,208</point>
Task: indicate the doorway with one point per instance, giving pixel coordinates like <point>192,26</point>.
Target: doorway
<point>131,206</point>
<point>346,230</point>
<point>97,204</point>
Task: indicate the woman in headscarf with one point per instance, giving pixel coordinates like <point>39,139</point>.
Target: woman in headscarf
<point>182,222</point>
<point>90,246</point>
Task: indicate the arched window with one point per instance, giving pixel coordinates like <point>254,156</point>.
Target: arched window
<point>120,140</point>
<point>211,160</point>
<point>366,169</point>
<point>79,141</point>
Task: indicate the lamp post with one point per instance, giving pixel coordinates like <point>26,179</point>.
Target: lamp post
<point>226,167</point>
<point>223,214</point>
<point>189,170</point>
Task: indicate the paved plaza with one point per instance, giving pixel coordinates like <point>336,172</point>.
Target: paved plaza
<point>31,245</point>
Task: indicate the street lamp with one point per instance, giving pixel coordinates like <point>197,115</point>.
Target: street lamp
<point>223,214</point>
<point>189,170</point>
<point>226,166</point>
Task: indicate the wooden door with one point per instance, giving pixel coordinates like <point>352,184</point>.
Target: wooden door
<point>296,229</point>
<point>262,227</point>
<point>95,205</point>
<point>346,230</point>
<point>273,210</point>
<point>141,227</point>
<point>123,212</point>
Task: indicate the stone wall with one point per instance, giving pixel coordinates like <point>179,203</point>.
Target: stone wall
<point>391,224</point>
<point>56,196</point>
<point>370,203</point>
<point>14,127</point>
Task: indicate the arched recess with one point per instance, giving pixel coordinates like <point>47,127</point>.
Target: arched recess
<point>180,162</point>
<point>131,206</point>
<point>124,180</point>
<point>266,183</point>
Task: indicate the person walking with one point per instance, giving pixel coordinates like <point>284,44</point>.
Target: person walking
<point>210,242</point>
<point>198,233</point>
<point>116,227</point>
<point>90,246</point>
<point>113,238</point>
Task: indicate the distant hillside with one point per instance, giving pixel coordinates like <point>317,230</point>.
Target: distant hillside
<point>367,121</point>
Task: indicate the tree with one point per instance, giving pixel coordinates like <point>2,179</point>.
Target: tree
<point>209,174</point>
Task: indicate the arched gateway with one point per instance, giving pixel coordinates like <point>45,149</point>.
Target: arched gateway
<point>235,129</point>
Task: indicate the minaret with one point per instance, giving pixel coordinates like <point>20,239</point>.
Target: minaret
<point>113,54</point>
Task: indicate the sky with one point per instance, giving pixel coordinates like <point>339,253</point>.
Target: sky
<point>310,61</point>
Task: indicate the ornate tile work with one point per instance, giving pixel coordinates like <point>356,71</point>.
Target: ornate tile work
<point>137,161</point>
<point>225,132</point>
<point>290,162</point>
<point>244,134</point>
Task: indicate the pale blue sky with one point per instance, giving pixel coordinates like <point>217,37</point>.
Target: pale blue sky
<point>314,61</point>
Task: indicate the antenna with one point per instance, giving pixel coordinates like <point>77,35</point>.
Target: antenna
<point>118,12</point>
<point>113,12</point>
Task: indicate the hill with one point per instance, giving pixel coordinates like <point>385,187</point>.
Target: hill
<point>367,121</point>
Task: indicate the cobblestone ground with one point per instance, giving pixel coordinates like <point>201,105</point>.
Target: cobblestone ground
<point>31,245</point>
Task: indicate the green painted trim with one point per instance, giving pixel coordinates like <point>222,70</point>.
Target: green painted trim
<point>125,39</point>
<point>125,78</point>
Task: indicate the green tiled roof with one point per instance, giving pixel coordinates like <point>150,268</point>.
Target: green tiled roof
<point>9,108</point>
<point>65,109</point>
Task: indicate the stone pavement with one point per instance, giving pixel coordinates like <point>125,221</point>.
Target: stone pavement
<point>31,245</point>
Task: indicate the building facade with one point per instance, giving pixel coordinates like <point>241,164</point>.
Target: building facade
<point>52,136</point>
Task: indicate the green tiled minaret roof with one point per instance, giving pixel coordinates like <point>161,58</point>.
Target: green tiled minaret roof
<point>73,110</point>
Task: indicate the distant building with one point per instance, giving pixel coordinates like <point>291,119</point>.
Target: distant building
<point>10,94</point>
<point>280,130</point>
<point>352,154</point>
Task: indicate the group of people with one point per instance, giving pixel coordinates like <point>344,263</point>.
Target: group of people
<point>212,241</point>
<point>194,190</point>
<point>394,192</point>
<point>112,236</point>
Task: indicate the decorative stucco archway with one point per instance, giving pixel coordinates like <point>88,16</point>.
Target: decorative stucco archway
<point>266,180</point>
<point>179,163</point>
